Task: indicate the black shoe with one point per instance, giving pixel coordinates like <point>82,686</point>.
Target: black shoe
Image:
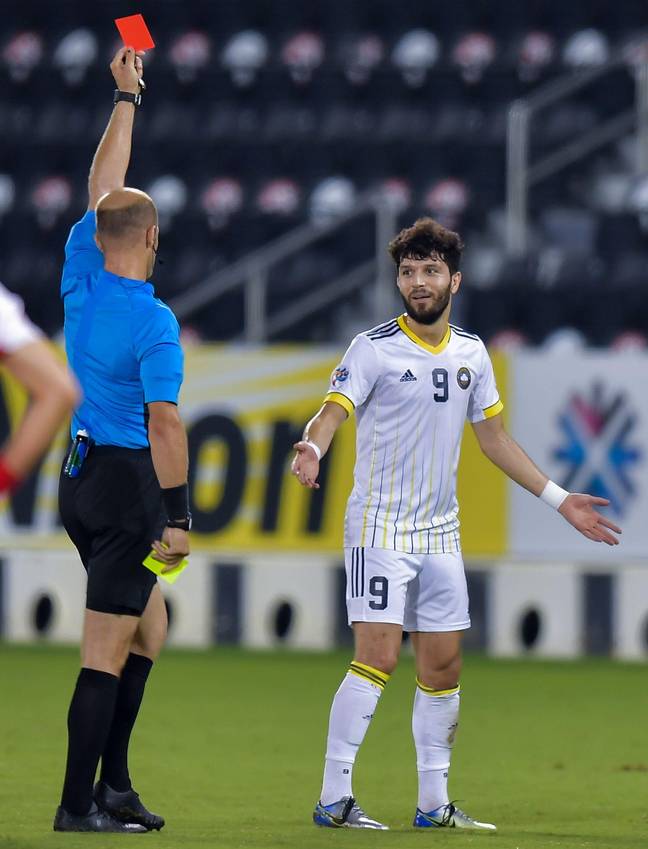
<point>94,820</point>
<point>125,807</point>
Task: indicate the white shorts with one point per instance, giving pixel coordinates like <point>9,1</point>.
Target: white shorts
<point>421,592</point>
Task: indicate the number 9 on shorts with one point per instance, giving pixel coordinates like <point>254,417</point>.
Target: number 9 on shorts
<point>421,592</point>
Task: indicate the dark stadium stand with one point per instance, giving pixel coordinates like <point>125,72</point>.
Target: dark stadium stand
<point>254,107</point>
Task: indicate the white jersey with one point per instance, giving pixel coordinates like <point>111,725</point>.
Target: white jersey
<point>16,330</point>
<point>411,401</point>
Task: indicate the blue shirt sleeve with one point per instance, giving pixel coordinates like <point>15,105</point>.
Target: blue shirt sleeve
<point>157,347</point>
<point>82,256</point>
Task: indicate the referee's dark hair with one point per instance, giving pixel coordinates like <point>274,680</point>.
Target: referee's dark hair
<point>427,238</point>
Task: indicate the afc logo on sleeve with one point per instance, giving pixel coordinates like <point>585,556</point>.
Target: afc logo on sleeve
<point>340,374</point>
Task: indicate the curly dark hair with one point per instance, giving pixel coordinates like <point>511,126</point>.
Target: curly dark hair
<point>427,238</point>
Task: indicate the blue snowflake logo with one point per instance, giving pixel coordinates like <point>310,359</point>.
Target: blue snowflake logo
<point>597,448</point>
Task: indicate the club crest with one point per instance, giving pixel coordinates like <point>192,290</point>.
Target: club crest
<point>464,377</point>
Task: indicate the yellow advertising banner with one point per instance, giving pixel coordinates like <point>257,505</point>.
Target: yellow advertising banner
<point>244,408</point>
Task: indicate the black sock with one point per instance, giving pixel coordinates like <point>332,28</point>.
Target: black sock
<point>114,761</point>
<point>89,719</point>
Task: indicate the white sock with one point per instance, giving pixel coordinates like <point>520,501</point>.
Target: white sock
<point>434,724</point>
<point>351,712</point>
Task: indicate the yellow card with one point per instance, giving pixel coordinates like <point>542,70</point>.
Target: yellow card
<point>156,566</point>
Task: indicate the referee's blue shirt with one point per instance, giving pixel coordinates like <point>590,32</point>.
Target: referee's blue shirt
<point>122,343</point>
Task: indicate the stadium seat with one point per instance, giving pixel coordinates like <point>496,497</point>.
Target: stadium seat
<point>271,115</point>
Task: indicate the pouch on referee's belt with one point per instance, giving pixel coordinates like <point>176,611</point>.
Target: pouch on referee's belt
<point>78,452</point>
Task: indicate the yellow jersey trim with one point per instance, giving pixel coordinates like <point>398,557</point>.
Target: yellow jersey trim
<point>430,692</point>
<point>342,400</point>
<point>493,410</point>
<point>433,349</point>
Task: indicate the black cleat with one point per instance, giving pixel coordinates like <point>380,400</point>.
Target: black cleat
<point>126,807</point>
<point>94,820</point>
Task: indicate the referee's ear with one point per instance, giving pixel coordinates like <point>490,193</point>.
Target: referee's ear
<point>152,236</point>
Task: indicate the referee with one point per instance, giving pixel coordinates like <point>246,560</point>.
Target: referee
<point>123,488</point>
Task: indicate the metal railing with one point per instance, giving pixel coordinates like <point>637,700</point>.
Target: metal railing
<point>521,174</point>
<point>252,275</point>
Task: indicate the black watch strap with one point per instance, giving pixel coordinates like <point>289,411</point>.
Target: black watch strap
<point>128,96</point>
<point>182,524</point>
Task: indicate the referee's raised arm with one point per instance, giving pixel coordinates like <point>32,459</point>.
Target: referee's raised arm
<point>123,488</point>
<point>110,163</point>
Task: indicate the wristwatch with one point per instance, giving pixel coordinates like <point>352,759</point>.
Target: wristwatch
<point>183,524</point>
<point>128,96</point>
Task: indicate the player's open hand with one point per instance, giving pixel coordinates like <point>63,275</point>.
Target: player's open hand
<point>127,69</point>
<point>172,548</point>
<point>305,466</point>
<point>579,511</point>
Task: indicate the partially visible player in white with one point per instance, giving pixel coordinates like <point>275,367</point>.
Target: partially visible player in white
<point>25,354</point>
<point>412,383</point>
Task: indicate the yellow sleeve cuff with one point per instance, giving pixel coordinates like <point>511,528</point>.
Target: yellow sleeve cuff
<point>493,410</point>
<point>342,400</point>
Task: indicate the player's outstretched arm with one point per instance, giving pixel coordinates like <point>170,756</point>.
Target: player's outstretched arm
<point>577,508</point>
<point>110,163</point>
<point>318,435</point>
<point>53,396</point>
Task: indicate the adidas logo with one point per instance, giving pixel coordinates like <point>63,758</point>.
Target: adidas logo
<point>407,376</point>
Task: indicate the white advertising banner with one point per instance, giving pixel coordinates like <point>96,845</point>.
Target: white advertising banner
<point>583,418</point>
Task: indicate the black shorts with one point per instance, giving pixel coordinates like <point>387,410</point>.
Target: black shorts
<point>112,512</point>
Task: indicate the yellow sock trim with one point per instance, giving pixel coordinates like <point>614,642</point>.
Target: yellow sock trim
<point>374,676</point>
<point>430,692</point>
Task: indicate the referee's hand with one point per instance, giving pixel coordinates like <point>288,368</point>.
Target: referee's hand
<point>172,548</point>
<point>127,69</point>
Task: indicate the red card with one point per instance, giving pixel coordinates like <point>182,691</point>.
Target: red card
<point>134,32</point>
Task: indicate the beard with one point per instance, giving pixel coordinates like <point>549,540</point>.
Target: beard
<point>430,314</point>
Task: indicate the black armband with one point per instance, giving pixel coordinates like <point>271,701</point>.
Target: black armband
<point>176,502</point>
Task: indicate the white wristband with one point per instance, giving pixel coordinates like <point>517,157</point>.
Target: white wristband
<point>553,495</point>
<point>315,448</point>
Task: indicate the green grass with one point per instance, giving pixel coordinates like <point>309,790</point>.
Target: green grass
<point>229,748</point>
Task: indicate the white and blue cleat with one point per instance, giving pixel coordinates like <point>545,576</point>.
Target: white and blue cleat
<point>345,813</point>
<point>449,816</point>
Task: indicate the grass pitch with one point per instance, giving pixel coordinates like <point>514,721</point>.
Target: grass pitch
<point>229,748</point>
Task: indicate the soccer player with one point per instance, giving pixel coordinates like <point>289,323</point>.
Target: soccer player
<point>124,486</point>
<point>52,389</point>
<point>412,382</point>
